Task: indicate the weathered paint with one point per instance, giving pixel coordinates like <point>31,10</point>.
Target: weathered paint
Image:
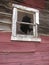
<point>24,53</point>
<point>34,3</point>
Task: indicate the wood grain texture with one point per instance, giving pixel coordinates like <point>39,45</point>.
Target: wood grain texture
<point>24,53</point>
<point>37,58</point>
<point>6,45</point>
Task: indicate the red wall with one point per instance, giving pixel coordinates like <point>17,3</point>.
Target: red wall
<point>24,53</point>
<point>34,3</point>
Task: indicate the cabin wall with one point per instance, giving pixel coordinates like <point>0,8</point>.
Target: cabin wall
<point>24,53</point>
<point>34,3</point>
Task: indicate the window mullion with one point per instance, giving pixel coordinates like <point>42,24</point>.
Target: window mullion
<point>36,21</point>
<point>34,28</point>
<point>14,19</point>
<point>25,23</point>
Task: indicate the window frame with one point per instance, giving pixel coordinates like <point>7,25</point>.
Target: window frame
<point>14,36</point>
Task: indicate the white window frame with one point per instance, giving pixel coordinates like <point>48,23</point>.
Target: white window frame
<point>17,37</point>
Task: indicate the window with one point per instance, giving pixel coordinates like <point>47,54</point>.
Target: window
<point>25,22</point>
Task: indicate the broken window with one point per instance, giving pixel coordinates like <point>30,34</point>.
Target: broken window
<point>25,23</point>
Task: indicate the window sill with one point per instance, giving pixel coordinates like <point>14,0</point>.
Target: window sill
<point>25,38</point>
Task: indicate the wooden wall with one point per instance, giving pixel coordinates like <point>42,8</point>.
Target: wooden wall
<point>34,3</point>
<point>24,53</point>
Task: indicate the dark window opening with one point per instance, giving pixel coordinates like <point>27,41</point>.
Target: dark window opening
<point>25,23</point>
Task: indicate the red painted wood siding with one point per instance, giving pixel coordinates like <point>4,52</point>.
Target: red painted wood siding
<point>34,3</point>
<point>23,53</point>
